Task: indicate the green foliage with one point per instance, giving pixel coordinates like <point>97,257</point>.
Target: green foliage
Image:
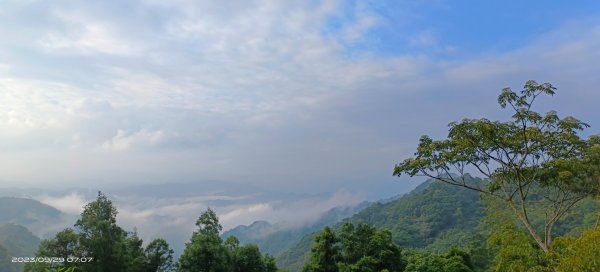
<point>15,241</point>
<point>269,264</point>
<point>452,217</point>
<point>247,258</point>
<point>296,256</point>
<point>325,253</point>
<point>426,216</point>
<point>516,251</point>
<point>577,254</point>
<point>159,256</point>
<point>533,152</point>
<point>98,238</point>
<point>207,252</point>
<point>18,240</point>
<point>101,238</point>
<point>61,269</point>
<point>135,259</point>
<point>358,248</point>
<point>454,260</point>
<point>434,216</point>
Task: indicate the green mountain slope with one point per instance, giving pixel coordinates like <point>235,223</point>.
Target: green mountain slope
<point>37,217</point>
<point>425,215</point>
<point>274,238</point>
<point>16,241</point>
<point>6,264</point>
<point>435,217</point>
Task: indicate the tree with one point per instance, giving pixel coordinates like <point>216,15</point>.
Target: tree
<point>364,248</point>
<point>516,250</point>
<point>269,264</point>
<point>232,243</point>
<point>159,256</point>
<point>247,258</point>
<point>453,261</point>
<point>360,248</point>
<point>134,253</point>
<point>578,254</point>
<point>96,236</point>
<point>206,251</point>
<point>354,241</point>
<point>100,237</point>
<point>64,245</point>
<point>325,253</point>
<point>533,161</point>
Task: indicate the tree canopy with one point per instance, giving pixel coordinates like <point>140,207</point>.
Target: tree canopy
<point>100,245</point>
<point>207,252</point>
<point>355,248</point>
<point>531,153</point>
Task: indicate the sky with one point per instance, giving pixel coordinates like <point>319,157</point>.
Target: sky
<point>294,96</point>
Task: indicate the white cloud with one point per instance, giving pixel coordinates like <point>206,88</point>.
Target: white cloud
<point>123,141</point>
<point>32,105</point>
<point>252,91</point>
<point>72,203</point>
<point>356,31</point>
<point>85,36</point>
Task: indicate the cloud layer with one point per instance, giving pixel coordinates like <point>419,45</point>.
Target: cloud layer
<point>294,96</point>
<point>172,216</point>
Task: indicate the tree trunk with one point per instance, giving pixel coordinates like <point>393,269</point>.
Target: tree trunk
<point>530,228</point>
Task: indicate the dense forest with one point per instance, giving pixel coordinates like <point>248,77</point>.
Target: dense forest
<point>436,227</point>
<point>436,218</point>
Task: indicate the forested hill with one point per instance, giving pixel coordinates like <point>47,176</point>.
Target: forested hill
<point>434,216</point>
<point>429,216</point>
<point>15,241</point>
<point>36,216</point>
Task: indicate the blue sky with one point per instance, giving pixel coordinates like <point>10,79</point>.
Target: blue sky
<point>459,29</point>
<point>303,96</point>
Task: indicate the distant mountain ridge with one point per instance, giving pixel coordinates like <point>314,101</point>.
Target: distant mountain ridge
<point>274,238</point>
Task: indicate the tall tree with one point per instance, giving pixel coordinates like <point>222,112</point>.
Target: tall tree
<point>325,253</point>
<point>360,248</point>
<point>64,245</point>
<point>100,237</point>
<point>269,264</point>
<point>134,253</point>
<point>364,248</point>
<point>97,236</point>
<point>206,251</point>
<point>533,161</point>
<point>159,256</point>
<point>247,258</point>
